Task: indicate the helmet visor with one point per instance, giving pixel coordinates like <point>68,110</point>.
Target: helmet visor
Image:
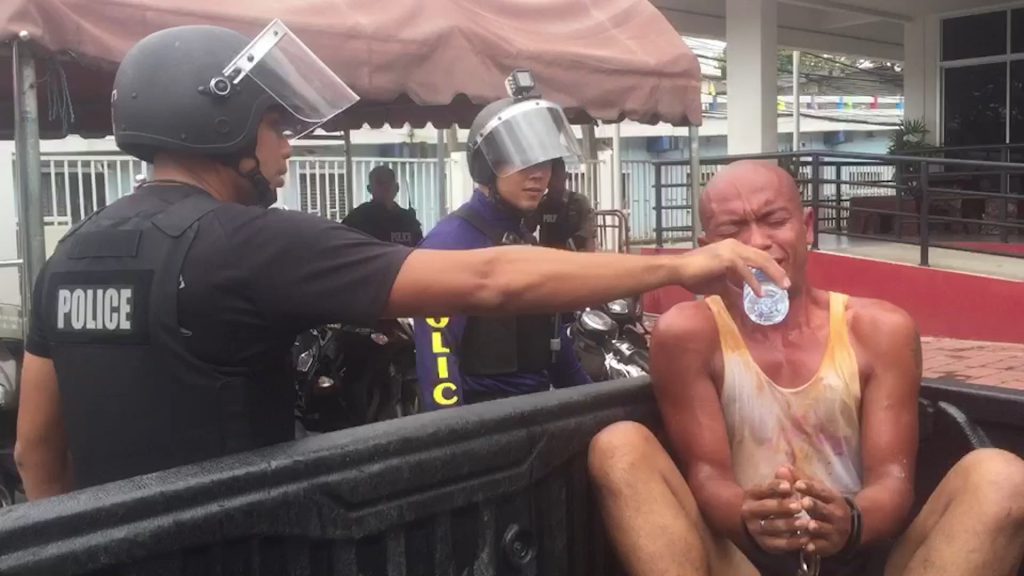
<point>289,71</point>
<point>525,134</point>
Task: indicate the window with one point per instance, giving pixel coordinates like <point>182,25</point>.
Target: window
<point>975,105</point>
<point>982,72</point>
<point>974,36</point>
<point>1017,31</point>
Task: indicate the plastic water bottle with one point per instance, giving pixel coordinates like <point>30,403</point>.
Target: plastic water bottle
<point>769,309</point>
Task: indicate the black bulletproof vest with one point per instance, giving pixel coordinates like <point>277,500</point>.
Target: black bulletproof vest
<point>555,228</point>
<point>493,345</point>
<point>134,399</point>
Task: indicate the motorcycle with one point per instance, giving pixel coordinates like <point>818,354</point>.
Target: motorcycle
<point>612,341</point>
<point>350,375</point>
<point>381,369</point>
<point>628,314</point>
<point>317,358</point>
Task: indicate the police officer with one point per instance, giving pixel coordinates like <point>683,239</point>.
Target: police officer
<point>162,324</point>
<point>564,218</point>
<point>512,146</point>
<point>382,217</point>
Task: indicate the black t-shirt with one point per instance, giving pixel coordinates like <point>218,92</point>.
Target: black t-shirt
<point>397,224</point>
<point>254,278</point>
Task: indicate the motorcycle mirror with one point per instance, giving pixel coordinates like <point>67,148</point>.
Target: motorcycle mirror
<point>305,361</point>
<point>618,307</point>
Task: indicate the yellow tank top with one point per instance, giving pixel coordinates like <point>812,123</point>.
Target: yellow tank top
<point>814,428</point>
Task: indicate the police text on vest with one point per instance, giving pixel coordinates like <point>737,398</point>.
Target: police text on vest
<point>102,308</point>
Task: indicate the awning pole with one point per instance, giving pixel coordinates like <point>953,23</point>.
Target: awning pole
<point>590,170</point>
<point>620,201</point>
<point>349,177</point>
<point>796,101</point>
<point>442,189</point>
<point>29,172</point>
<point>695,190</point>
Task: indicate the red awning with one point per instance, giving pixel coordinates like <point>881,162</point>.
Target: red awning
<point>410,61</point>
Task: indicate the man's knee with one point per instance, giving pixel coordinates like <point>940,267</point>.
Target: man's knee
<point>621,450</point>
<point>996,478</point>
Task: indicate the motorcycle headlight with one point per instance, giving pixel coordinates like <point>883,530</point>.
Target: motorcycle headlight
<point>597,322</point>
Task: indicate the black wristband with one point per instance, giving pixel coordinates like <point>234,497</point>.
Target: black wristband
<point>853,541</point>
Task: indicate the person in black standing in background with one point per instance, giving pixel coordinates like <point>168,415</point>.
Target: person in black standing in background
<point>565,218</point>
<point>162,325</point>
<point>382,217</point>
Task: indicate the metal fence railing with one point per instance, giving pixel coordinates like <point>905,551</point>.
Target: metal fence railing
<point>638,185</point>
<point>925,201</point>
<point>73,186</point>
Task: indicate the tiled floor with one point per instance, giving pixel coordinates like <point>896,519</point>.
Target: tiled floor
<point>993,364</point>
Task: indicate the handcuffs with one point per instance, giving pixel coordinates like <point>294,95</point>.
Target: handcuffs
<point>810,564</point>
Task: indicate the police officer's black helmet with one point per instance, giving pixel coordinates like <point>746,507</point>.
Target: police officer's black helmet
<point>169,94</point>
<point>205,90</point>
<point>514,133</point>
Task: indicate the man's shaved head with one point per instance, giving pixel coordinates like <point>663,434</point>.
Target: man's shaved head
<point>759,204</point>
<point>747,175</point>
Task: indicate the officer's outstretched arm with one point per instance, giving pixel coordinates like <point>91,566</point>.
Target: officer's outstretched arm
<point>515,279</point>
<point>41,452</point>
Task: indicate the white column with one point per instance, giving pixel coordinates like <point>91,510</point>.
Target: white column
<point>921,73</point>
<point>752,44</point>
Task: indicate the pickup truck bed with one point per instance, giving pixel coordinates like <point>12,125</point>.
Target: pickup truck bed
<point>493,489</point>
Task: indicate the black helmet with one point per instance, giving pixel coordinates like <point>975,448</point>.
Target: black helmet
<point>204,90</point>
<point>166,95</point>
<point>515,133</point>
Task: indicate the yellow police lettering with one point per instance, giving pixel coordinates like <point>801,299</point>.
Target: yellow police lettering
<point>441,398</point>
<point>442,367</point>
<point>438,344</point>
<point>437,322</point>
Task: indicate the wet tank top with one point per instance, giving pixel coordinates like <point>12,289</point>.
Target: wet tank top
<point>815,428</point>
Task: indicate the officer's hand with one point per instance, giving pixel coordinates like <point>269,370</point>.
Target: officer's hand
<point>830,517</point>
<point>771,513</point>
<point>725,265</point>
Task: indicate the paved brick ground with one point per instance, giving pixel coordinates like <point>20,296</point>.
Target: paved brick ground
<point>987,363</point>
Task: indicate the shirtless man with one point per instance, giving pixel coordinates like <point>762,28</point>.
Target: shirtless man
<point>815,414</point>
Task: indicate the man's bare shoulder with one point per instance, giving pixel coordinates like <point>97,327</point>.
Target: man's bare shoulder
<point>883,330</point>
<point>688,325</point>
<point>868,317</point>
